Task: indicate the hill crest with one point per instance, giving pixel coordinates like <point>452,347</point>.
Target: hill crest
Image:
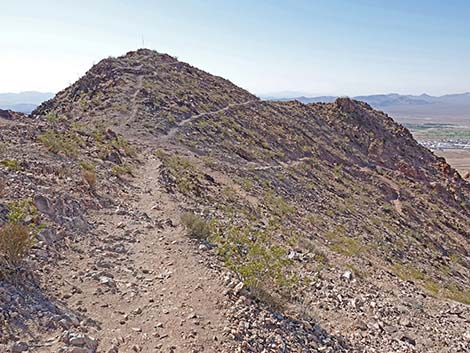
<point>274,214</point>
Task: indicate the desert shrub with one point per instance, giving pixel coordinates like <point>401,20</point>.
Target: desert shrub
<point>246,183</point>
<point>337,171</point>
<point>16,237</point>
<point>408,272</point>
<point>54,118</point>
<point>87,166</point>
<point>456,293</point>
<point>262,265</point>
<point>67,143</point>
<point>106,143</point>
<point>341,242</point>
<point>3,147</point>
<point>431,286</point>
<point>22,211</point>
<point>119,170</point>
<point>16,240</point>
<point>122,144</point>
<point>3,187</point>
<point>277,204</point>
<point>89,176</point>
<point>11,164</point>
<point>161,154</point>
<point>184,172</point>
<point>196,226</point>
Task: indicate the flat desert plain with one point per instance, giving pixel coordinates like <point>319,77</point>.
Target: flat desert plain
<point>457,158</point>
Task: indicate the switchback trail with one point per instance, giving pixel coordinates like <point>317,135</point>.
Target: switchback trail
<point>171,133</point>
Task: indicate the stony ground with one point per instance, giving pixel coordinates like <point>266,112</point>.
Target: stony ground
<point>373,224</point>
<point>138,283</point>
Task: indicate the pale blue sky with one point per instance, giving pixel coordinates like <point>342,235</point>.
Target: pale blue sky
<point>316,47</point>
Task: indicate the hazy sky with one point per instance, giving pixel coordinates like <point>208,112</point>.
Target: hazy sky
<point>313,46</point>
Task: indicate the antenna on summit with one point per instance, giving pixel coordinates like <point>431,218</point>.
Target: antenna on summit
<point>143,42</point>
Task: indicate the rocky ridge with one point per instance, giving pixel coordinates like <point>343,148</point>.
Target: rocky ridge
<point>375,225</point>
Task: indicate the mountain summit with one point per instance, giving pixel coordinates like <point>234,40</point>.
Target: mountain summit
<point>188,215</point>
<point>148,91</point>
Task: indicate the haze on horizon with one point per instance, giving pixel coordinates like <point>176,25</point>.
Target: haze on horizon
<point>313,47</point>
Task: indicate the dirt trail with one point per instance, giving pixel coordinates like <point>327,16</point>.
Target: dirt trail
<point>282,165</point>
<point>134,105</point>
<point>395,197</point>
<point>142,280</point>
<point>395,200</point>
<point>138,87</point>
<point>171,133</point>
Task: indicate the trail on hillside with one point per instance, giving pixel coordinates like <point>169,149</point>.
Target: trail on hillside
<point>138,87</point>
<point>395,197</point>
<point>135,106</point>
<point>172,132</point>
<point>395,200</point>
<point>142,281</point>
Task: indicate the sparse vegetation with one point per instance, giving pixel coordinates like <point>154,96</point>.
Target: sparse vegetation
<point>53,118</point>
<point>342,243</point>
<point>121,143</point>
<point>87,166</point>
<point>89,176</point>
<point>196,226</point>
<point>18,235</point>
<point>67,143</point>
<point>11,164</point>
<point>408,272</point>
<point>291,197</point>
<point>454,292</point>
<point>16,240</point>
<point>262,265</point>
<point>277,204</point>
<point>120,170</point>
<point>185,174</point>
<point>3,147</point>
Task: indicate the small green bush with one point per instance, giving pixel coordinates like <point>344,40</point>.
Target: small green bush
<point>21,211</point>
<point>67,143</point>
<point>53,118</point>
<point>122,144</point>
<point>185,173</point>
<point>87,166</point>
<point>11,164</point>
<point>278,206</point>
<point>408,272</point>
<point>252,253</point>
<point>3,147</point>
<point>456,293</point>
<point>119,170</point>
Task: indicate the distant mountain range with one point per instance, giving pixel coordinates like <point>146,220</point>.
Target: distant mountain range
<point>23,102</point>
<point>452,107</point>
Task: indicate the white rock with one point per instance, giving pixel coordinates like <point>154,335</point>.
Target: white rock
<point>348,276</point>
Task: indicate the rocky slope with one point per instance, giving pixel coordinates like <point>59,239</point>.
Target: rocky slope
<point>318,227</point>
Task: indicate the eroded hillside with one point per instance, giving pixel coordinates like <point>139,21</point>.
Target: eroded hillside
<point>180,213</point>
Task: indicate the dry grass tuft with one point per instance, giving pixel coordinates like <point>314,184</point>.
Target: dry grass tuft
<point>16,241</point>
<point>89,177</point>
